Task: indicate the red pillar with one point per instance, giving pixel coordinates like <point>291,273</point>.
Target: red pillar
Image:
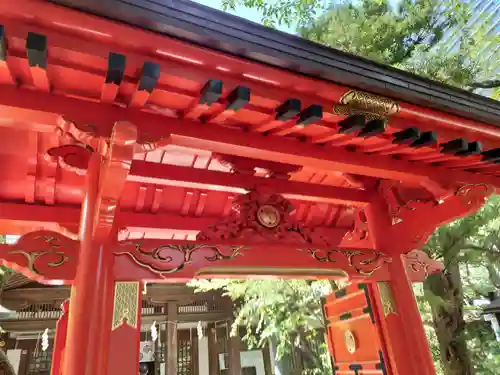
<point>91,301</point>
<point>401,325</point>
<point>60,340</point>
<point>402,329</point>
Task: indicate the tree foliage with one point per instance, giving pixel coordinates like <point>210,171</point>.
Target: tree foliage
<point>432,38</point>
<point>288,312</point>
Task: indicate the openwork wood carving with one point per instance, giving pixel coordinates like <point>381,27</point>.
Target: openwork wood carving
<point>164,259</point>
<point>259,217</point>
<point>126,306</point>
<point>42,256</point>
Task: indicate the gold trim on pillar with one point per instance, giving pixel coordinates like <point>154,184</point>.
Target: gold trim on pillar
<point>126,304</point>
<point>386,298</point>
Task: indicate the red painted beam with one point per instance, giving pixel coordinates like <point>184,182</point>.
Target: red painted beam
<point>20,216</point>
<point>163,174</point>
<point>230,141</point>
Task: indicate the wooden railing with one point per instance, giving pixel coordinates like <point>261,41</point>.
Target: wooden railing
<point>50,311</point>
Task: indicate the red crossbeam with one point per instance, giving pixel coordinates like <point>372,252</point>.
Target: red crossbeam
<point>163,174</point>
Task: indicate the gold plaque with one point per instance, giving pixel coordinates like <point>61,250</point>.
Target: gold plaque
<point>268,216</point>
<point>350,342</point>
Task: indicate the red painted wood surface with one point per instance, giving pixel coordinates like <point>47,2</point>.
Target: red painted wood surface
<point>168,174</point>
<point>60,340</point>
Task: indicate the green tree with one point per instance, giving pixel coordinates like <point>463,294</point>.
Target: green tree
<point>289,312</point>
<point>464,245</point>
<point>407,34</point>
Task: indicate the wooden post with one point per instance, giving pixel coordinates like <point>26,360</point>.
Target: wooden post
<point>213,350</point>
<point>92,293</point>
<point>234,350</point>
<point>171,342</point>
<point>399,319</point>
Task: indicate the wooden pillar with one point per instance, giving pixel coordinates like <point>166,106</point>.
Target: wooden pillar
<point>91,301</point>
<point>234,350</point>
<point>171,339</point>
<point>402,324</point>
<point>397,310</point>
<point>60,340</point>
<point>213,350</point>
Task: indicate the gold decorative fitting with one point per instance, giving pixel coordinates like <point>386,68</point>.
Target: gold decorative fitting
<point>386,298</point>
<point>126,304</point>
<point>350,342</point>
<point>268,216</point>
<point>372,106</point>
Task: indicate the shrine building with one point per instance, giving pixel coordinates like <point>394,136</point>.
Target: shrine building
<point>146,143</point>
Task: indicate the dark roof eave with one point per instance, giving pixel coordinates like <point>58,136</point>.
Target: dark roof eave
<point>217,30</point>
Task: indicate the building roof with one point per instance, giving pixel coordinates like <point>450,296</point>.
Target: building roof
<point>493,307</point>
<point>220,31</point>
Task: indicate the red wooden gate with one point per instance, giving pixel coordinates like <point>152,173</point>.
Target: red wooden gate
<point>354,340</point>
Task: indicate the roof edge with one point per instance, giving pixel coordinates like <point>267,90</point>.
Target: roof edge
<point>213,29</point>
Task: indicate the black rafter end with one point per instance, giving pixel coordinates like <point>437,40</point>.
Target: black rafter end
<point>373,128</point>
<point>116,68</point>
<point>310,115</point>
<point>3,44</point>
<point>455,146</point>
<point>211,92</point>
<point>407,136</point>
<point>288,110</point>
<point>238,98</point>
<point>150,75</point>
<point>36,49</point>
<point>427,139</point>
<point>352,124</point>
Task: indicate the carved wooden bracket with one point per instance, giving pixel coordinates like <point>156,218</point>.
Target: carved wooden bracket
<point>78,141</point>
<point>42,256</point>
<point>259,217</point>
<point>414,220</point>
<point>419,265</point>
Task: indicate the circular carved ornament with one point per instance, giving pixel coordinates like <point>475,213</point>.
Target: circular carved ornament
<point>350,342</point>
<point>268,216</point>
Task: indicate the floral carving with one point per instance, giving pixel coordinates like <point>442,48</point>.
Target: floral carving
<point>259,217</point>
<point>170,258</point>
